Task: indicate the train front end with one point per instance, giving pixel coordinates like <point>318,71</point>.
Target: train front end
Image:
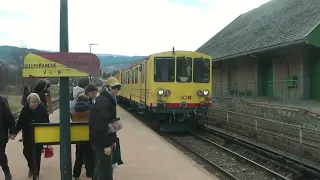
<point>181,90</point>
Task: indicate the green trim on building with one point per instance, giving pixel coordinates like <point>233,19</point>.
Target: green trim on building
<point>313,38</point>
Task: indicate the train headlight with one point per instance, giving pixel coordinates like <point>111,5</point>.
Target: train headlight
<point>160,92</point>
<point>205,92</point>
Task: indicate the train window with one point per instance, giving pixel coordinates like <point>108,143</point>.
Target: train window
<point>136,75</point>
<point>128,77</point>
<point>164,69</point>
<point>142,73</point>
<point>184,69</point>
<point>124,78</point>
<point>201,70</point>
<point>132,76</point>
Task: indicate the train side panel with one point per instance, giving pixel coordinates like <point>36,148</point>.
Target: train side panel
<point>119,78</point>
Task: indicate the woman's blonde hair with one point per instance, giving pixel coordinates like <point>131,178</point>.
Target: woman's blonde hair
<point>34,96</point>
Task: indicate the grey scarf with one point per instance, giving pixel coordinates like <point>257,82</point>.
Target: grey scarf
<point>109,90</point>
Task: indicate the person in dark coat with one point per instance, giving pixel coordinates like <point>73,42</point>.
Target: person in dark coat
<point>33,112</point>
<point>40,89</point>
<point>77,91</point>
<point>102,113</point>
<point>81,114</point>
<point>26,91</point>
<point>48,97</point>
<point>84,152</point>
<point>7,123</point>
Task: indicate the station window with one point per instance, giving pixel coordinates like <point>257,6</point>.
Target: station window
<point>201,70</point>
<point>142,73</point>
<point>184,69</point>
<point>136,75</point>
<point>164,69</point>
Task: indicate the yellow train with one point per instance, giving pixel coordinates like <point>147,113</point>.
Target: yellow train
<point>170,88</point>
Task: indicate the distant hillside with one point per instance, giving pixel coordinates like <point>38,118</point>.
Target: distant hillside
<point>118,61</point>
<point>107,61</point>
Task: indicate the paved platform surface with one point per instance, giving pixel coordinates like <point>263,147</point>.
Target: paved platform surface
<point>146,156</point>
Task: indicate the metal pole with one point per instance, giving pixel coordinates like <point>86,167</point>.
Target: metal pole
<point>92,44</point>
<point>65,139</point>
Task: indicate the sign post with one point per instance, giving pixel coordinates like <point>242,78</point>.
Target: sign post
<point>65,140</point>
<point>62,65</point>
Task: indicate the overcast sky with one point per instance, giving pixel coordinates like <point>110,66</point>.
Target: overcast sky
<point>127,27</point>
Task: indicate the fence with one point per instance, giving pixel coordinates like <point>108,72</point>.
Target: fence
<point>285,89</point>
<point>221,88</point>
<point>243,88</point>
<point>297,139</point>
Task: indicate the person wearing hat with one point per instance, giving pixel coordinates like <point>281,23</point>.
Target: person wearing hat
<point>103,142</point>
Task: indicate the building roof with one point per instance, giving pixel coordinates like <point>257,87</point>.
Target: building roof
<point>273,24</point>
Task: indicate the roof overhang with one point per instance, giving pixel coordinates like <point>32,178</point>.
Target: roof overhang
<point>301,41</point>
<point>313,37</point>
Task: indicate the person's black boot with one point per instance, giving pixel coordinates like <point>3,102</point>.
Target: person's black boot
<point>8,176</point>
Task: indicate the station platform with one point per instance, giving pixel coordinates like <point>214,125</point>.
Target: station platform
<point>146,156</point>
<point>309,105</point>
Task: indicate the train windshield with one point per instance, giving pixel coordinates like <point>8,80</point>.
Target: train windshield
<point>201,70</point>
<point>184,69</point>
<point>164,69</point>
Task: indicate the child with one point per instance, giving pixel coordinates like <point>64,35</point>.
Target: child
<point>81,109</point>
<point>81,114</point>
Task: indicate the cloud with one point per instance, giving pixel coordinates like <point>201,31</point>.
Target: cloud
<point>139,27</point>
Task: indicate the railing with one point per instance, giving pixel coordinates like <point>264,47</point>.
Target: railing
<point>247,88</point>
<point>244,88</point>
<point>221,88</point>
<point>297,139</point>
<point>288,89</point>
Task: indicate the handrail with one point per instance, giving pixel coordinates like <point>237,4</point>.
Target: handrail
<point>246,85</point>
<point>270,120</point>
<point>221,88</point>
<point>293,84</point>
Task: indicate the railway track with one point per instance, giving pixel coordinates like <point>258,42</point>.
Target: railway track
<point>232,164</point>
<point>305,169</point>
<point>276,137</point>
<point>308,138</point>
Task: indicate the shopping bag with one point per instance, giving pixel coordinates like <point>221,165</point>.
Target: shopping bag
<point>48,152</point>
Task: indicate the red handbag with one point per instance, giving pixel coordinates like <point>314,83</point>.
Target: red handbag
<point>48,152</point>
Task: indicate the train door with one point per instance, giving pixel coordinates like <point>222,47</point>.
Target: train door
<point>143,83</point>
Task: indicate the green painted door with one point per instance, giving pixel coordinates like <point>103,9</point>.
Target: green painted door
<point>267,75</point>
<point>314,58</point>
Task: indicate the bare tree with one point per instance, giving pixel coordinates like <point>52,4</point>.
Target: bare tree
<point>4,70</point>
<point>17,59</point>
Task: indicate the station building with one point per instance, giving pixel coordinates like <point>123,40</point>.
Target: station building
<point>270,51</point>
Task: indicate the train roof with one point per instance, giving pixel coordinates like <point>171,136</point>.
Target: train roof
<point>164,52</point>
